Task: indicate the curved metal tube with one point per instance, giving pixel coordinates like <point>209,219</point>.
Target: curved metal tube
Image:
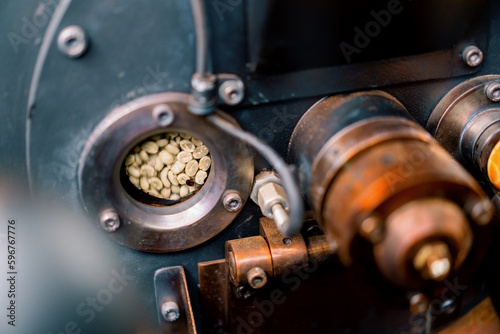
<point>296,204</point>
<point>199,17</point>
<point>287,178</point>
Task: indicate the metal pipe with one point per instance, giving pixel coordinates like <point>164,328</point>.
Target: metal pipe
<point>294,195</point>
<point>203,82</point>
<point>203,103</point>
<point>199,17</point>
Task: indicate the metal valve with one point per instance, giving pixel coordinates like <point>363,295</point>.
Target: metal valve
<point>270,196</point>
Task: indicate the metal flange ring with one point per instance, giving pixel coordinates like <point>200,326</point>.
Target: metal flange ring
<point>161,228</point>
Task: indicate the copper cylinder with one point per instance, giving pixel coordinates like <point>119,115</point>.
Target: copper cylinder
<point>417,224</point>
<point>369,161</point>
<point>242,255</point>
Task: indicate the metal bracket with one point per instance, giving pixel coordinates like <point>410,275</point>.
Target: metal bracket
<point>175,314</point>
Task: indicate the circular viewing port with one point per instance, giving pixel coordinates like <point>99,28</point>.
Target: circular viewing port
<point>175,213</point>
<point>166,169</point>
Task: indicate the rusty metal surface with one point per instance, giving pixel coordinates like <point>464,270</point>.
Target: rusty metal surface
<point>400,171</point>
<point>321,250</point>
<point>245,254</point>
<point>346,144</point>
<point>411,226</point>
<point>465,122</point>
<point>482,319</point>
<point>171,286</point>
<point>292,303</point>
<point>332,117</point>
<point>214,292</point>
<point>285,251</point>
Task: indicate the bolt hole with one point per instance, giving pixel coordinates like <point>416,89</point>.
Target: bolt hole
<point>233,204</point>
<point>72,41</point>
<point>257,281</point>
<point>287,241</point>
<point>475,57</point>
<point>164,115</point>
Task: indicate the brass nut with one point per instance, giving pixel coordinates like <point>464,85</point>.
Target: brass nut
<point>433,261</point>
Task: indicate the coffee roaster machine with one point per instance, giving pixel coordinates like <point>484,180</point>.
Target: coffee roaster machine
<point>270,166</point>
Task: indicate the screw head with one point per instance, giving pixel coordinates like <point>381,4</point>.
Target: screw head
<point>419,303</point>
<point>448,306</point>
<point>164,115</point>
<point>493,91</point>
<point>232,92</point>
<point>110,221</point>
<point>232,201</point>
<point>72,41</point>
<point>242,291</point>
<point>256,277</point>
<point>170,311</point>
<point>481,211</point>
<point>372,228</point>
<point>472,56</point>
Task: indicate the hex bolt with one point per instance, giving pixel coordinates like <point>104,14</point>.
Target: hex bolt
<point>472,56</point>
<point>256,277</point>
<point>372,229</point>
<point>448,306</point>
<point>439,268</point>
<point>170,311</point>
<point>202,100</point>
<point>232,201</point>
<point>244,292</point>
<point>110,221</point>
<point>419,303</point>
<point>270,196</point>
<point>433,261</point>
<point>232,92</point>
<point>480,210</point>
<point>493,91</point>
<point>72,41</point>
<point>164,115</point>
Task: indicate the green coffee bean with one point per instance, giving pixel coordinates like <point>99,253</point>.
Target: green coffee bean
<point>150,147</point>
<point>205,163</point>
<point>200,152</point>
<point>184,157</point>
<point>191,168</point>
